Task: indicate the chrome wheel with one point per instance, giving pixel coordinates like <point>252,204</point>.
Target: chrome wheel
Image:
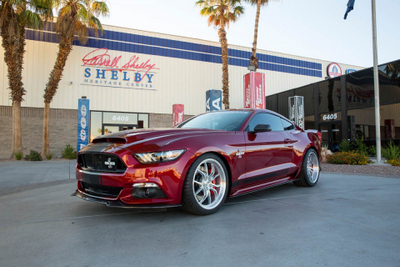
<point>312,167</point>
<point>209,184</point>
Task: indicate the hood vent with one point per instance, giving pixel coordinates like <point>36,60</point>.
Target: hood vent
<point>109,140</point>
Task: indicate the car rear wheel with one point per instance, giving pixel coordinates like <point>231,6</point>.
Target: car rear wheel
<point>310,169</point>
<point>206,185</point>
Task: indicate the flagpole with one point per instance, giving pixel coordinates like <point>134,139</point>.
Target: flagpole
<point>376,85</point>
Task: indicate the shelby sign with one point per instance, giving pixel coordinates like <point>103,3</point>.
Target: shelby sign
<point>106,70</point>
<point>296,110</point>
<point>83,123</point>
<point>213,100</point>
<point>254,90</point>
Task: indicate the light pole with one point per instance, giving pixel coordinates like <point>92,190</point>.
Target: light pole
<point>376,85</point>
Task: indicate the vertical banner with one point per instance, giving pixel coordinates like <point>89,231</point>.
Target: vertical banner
<point>213,100</point>
<point>83,123</point>
<point>177,114</point>
<point>254,90</point>
<point>296,110</point>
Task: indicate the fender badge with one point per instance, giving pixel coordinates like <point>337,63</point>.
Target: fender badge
<point>239,153</point>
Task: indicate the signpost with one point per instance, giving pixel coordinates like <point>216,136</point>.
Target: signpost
<point>213,100</point>
<point>296,110</point>
<point>177,114</point>
<point>83,123</point>
<point>254,90</point>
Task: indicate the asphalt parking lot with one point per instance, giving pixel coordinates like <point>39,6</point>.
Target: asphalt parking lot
<point>346,220</point>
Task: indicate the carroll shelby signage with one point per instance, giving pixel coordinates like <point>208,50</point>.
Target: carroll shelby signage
<point>103,68</point>
<point>334,70</point>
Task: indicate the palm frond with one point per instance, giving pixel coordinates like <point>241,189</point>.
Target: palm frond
<point>100,8</point>
<point>32,19</point>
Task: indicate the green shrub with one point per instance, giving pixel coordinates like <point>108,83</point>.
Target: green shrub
<point>18,155</point>
<point>361,147</point>
<point>345,145</point>
<point>372,151</point>
<point>350,158</point>
<point>394,162</point>
<point>49,157</point>
<point>34,156</point>
<point>69,152</point>
<point>391,151</point>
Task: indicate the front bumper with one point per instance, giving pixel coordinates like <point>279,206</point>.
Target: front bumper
<point>119,203</point>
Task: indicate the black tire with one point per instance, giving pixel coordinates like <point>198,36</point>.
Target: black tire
<point>204,194</point>
<point>310,169</point>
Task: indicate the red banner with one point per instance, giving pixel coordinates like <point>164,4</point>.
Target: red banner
<point>254,90</point>
<point>177,114</point>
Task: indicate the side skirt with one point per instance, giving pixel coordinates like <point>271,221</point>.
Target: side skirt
<point>261,187</point>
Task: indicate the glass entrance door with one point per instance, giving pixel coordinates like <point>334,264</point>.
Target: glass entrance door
<point>331,135</point>
<point>112,128</point>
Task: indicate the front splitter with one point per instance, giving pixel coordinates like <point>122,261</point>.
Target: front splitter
<point>120,204</point>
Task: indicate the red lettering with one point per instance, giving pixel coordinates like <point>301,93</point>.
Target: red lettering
<point>101,58</point>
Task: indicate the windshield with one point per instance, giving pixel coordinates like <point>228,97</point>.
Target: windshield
<point>219,120</point>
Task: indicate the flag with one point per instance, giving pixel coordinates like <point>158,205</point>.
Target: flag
<point>350,6</point>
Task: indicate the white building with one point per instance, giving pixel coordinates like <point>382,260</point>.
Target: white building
<point>132,78</point>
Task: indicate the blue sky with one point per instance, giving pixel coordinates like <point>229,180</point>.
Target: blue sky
<point>313,28</point>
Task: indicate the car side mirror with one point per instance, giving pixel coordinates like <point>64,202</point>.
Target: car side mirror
<point>261,128</point>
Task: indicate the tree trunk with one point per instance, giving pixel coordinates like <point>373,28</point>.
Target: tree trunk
<point>13,45</point>
<point>46,143</point>
<point>17,136</point>
<point>253,58</point>
<point>64,49</point>
<point>225,75</point>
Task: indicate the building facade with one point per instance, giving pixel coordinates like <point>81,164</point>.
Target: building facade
<point>132,79</point>
<point>344,107</point>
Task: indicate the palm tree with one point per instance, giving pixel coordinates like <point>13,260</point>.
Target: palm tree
<point>220,13</point>
<point>15,15</point>
<point>74,17</point>
<point>259,3</point>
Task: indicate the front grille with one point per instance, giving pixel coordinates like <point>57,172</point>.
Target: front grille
<point>101,190</point>
<point>96,162</point>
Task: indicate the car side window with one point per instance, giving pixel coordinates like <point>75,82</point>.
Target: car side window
<point>287,126</point>
<point>265,118</point>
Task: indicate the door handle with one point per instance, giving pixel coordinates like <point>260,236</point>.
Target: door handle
<point>287,141</point>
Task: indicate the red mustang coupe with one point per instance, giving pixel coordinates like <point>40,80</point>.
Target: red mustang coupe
<point>198,164</point>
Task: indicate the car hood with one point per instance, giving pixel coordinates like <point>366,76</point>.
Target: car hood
<point>149,140</point>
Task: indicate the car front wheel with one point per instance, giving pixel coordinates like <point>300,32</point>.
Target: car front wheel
<point>206,185</point>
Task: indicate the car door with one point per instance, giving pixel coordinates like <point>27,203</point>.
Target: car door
<point>269,155</point>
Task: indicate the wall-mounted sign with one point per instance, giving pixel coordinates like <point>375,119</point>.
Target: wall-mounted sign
<point>213,100</point>
<point>330,117</point>
<point>334,70</point>
<point>254,90</point>
<point>103,68</point>
<point>350,71</point>
<point>177,114</point>
<point>83,123</point>
<point>296,110</point>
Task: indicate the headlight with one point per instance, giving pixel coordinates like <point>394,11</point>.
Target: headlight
<point>156,157</point>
